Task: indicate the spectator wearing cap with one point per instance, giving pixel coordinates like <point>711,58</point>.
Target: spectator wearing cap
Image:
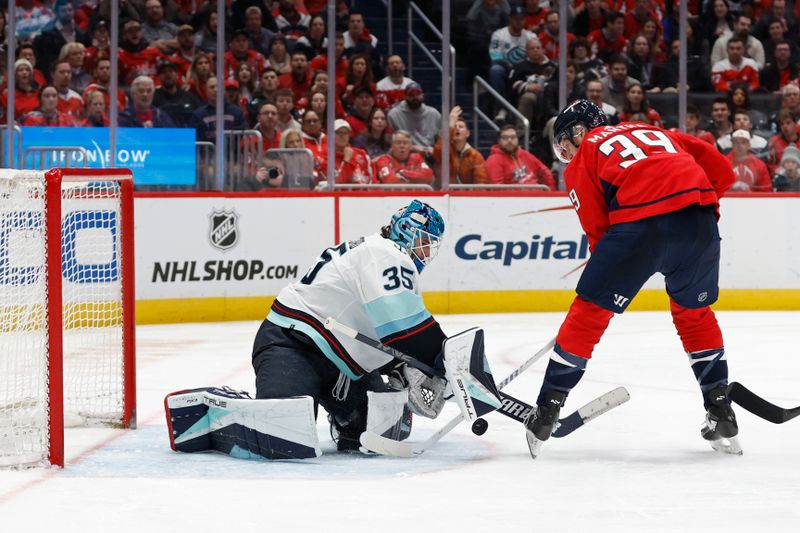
<point>278,56</point>
<point>186,51</point>
<point>48,44</point>
<point>351,164</point>
<point>751,173</point>
<point>233,95</point>
<point>69,101</point>
<point>101,82</point>
<point>358,117</point>
<point>142,113</point>
<point>507,47</point>
<point>401,165</point>
<point>421,121</point>
<point>787,137</point>
<point>787,175</point>
<point>258,36</point>
<point>239,52</point>
<point>299,79</point>
<point>157,31</point>
<point>136,57</point>
<point>204,117</point>
<point>741,121</point>
<point>466,163</point>
<point>26,51</point>
<point>291,22</point>
<point>100,46</point>
<point>173,100</point>
<point>284,101</point>
<point>26,91</point>
<point>511,165</point>
<point>392,88</point>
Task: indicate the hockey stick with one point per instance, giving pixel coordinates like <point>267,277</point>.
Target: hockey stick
<point>759,406</point>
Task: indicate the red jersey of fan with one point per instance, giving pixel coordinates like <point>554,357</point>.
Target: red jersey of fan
<point>599,42</point>
<point>751,174</point>
<point>141,63</point>
<point>652,117</point>
<point>387,169</point>
<point>354,171</point>
<point>634,171</point>
<point>550,44</point>
<point>256,61</point>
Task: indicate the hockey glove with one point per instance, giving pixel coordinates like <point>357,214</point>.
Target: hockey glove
<point>425,393</point>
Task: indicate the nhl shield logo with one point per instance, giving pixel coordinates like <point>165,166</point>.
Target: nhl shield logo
<point>224,231</point>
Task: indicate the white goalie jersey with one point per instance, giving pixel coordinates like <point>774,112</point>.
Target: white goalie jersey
<point>369,284</point>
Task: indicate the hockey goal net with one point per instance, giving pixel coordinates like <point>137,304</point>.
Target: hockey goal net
<point>66,308</point>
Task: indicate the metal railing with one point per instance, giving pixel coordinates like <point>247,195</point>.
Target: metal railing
<point>382,187</point>
<point>244,152</point>
<point>479,114</point>
<point>414,39</point>
<point>47,157</point>
<point>206,165</point>
<point>389,29</point>
<point>4,163</point>
<point>498,186</point>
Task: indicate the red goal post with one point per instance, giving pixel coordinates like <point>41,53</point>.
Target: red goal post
<point>67,329</point>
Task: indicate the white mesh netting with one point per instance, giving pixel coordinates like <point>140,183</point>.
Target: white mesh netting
<point>92,333</point>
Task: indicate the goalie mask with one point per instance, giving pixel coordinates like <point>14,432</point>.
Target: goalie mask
<point>417,229</point>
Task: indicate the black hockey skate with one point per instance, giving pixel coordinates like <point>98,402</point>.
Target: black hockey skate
<point>720,427</point>
<point>542,421</point>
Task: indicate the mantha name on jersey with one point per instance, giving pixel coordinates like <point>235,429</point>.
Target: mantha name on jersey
<point>370,285</point>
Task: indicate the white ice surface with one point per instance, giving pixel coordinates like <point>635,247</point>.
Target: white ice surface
<point>642,467</point>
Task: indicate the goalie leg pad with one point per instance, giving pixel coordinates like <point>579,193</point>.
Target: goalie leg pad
<point>224,421</point>
<point>469,375</point>
<point>388,415</point>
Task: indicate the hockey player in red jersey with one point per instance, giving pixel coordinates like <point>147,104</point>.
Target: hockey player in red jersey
<point>648,200</point>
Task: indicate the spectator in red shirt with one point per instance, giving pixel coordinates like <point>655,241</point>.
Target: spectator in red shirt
<point>735,69</point>
<point>238,51</point>
<point>102,83</point>
<point>69,101</point>
<point>788,136</point>
<point>692,121</point>
<point>511,165</point>
<point>400,165</point>
<point>266,125</point>
<point>751,173</point>
<point>549,36</point>
<point>321,62</point>
<point>635,18</point>
<point>534,16</point>
<point>299,79</point>
<point>26,92</point>
<point>609,41</point>
<point>48,114</point>
<point>351,164</point>
<point>636,108</point>
<point>136,57</point>
<point>198,75</point>
<point>26,51</point>
<point>358,117</point>
<point>313,137</point>
<point>95,111</point>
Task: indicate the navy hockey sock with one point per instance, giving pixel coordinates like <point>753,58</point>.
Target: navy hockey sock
<point>564,371</point>
<point>710,368</point>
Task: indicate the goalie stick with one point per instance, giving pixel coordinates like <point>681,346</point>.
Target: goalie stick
<point>759,406</point>
<point>511,407</point>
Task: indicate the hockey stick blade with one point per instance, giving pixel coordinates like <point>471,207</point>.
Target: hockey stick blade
<point>759,406</point>
<point>590,411</point>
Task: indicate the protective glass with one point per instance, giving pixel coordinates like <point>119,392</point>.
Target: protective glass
<point>563,140</point>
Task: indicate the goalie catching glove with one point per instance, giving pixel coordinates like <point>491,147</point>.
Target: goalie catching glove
<point>425,393</point>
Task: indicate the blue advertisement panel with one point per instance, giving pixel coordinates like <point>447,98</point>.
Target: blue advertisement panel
<point>157,156</point>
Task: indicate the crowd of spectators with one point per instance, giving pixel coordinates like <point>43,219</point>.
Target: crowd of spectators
<point>620,53</point>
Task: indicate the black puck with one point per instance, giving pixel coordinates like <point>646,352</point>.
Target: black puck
<point>480,426</point>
